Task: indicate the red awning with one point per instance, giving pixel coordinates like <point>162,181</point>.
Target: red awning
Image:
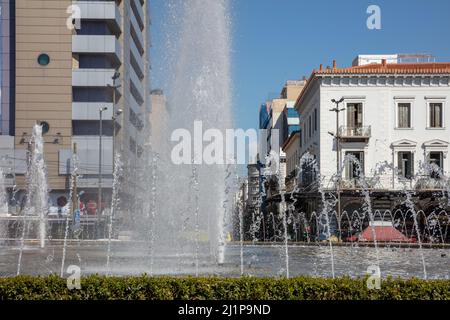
<point>384,232</point>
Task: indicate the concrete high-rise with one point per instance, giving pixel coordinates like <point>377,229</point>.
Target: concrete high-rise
<point>62,62</point>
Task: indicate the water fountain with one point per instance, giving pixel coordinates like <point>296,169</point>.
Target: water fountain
<point>3,204</point>
<point>117,174</point>
<point>37,189</point>
<point>3,194</point>
<point>36,193</point>
<point>367,200</point>
<point>186,211</point>
<point>152,208</point>
<point>198,88</point>
<point>72,207</point>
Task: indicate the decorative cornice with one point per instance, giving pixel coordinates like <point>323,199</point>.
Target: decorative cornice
<point>385,80</point>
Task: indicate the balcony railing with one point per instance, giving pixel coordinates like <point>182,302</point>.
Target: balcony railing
<point>356,183</point>
<point>364,132</point>
<point>427,182</point>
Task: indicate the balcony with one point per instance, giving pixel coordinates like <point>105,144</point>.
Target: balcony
<point>357,184</point>
<point>136,5</point>
<point>101,10</point>
<point>90,110</point>
<point>428,183</point>
<point>138,58</point>
<point>137,83</point>
<point>108,45</point>
<point>355,133</point>
<point>134,105</point>
<point>139,40</point>
<point>93,77</point>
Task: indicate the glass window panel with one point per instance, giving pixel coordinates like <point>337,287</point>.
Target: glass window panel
<point>404,115</point>
<point>436,115</point>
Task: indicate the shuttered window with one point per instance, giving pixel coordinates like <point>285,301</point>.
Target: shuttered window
<point>436,115</point>
<point>404,115</point>
<point>354,115</point>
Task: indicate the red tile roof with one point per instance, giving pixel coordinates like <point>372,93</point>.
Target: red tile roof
<point>393,68</point>
<point>422,68</point>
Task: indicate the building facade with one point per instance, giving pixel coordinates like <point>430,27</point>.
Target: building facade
<point>62,62</point>
<point>254,191</point>
<point>278,118</point>
<point>291,148</point>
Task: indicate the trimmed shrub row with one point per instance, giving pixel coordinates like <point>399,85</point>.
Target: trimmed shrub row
<point>165,288</point>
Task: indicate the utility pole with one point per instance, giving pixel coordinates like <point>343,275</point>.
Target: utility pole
<point>337,135</point>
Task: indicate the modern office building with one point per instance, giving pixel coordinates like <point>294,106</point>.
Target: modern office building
<point>75,67</point>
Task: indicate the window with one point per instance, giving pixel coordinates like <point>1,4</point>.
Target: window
<point>305,136</point>
<point>94,28</point>
<point>92,128</point>
<point>301,138</point>
<point>43,59</point>
<point>436,115</point>
<point>354,115</point>
<point>406,165</point>
<point>94,94</point>
<point>404,115</point>
<point>94,61</point>
<point>45,127</point>
<point>310,127</point>
<point>132,145</point>
<point>354,169</point>
<point>436,161</point>
<point>308,174</point>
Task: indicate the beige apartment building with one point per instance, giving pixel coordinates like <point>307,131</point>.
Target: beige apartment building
<point>278,120</point>
<point>70,65</point>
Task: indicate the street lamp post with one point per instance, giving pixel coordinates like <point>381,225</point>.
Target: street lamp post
<point>116,114</point>
<point>338,110</point>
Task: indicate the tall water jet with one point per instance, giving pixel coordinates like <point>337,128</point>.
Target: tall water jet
<point>241,231</point>
<point>276,171</point>
<point>3,204</point>
<point>223,227</point>
<point>367,200</point>
<point>37,189</point>
<point>36,193</point>
<point>3,194</point>
<point>196,208</point>
<point>410,205</point>
<point>197,85</point>
<point>152,213</point>
<point>117,174</point>
<point>312,168</point>
<point>73,205</point>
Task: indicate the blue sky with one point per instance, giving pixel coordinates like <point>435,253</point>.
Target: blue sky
<point>277,40</point>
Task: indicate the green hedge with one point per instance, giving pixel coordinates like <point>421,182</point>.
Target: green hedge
<point>165,288</point>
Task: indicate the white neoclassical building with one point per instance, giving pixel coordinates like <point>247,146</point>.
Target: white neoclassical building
<point>395,113</point>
